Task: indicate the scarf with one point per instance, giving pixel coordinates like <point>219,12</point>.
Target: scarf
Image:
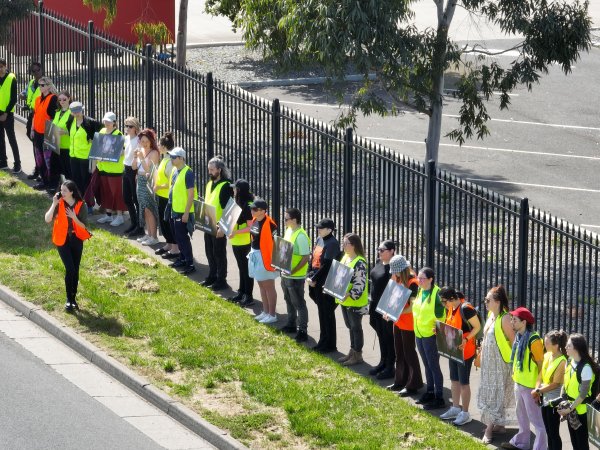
<point>518,349</point>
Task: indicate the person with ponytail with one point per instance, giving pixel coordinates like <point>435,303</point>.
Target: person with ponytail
<point>161,185</point>
<point>47,162</point>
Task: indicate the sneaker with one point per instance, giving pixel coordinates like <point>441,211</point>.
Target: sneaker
<point>452,413</point>
<point>425,398</point>
<point>143,238</point>
<point>151,241</point>
<point>269,319</point>
<point>117,221</point>
<point>105,219</point>
<point>17,169</point>
<point>260,316</point>
<point>3,166</point>
<point>462,418</point>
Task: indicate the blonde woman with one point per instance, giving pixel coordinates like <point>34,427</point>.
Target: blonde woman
<point>47,162</point>
<point>132,142</point>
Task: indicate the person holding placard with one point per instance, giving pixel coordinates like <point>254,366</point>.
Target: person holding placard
<point>240,241</point>
<point>111,178</point>
<point>357,297</point>
<point>8,100</point>
<point>293,284</point>
<point>63,119</point>
<point>46,161</point>
<point>162,176</point>
<point>145,162</point>
<point>132,129</point>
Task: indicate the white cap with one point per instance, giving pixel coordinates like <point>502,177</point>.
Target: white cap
<point>177,151</point>
<point>109,117</point>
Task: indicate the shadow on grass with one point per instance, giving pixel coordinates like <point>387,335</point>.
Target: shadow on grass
<point>106,325</point>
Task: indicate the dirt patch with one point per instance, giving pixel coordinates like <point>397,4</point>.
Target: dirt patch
<point>143,285</point>
<point>149,262</point>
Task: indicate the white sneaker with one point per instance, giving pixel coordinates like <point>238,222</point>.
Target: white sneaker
<point>105,219</point>
<point>151,241</point>
<point>143,238</point>
<point>462,418</point>
<point>269,319</point>
<point>117,221</point>
<point>452,413</point>
<point>260,316</point>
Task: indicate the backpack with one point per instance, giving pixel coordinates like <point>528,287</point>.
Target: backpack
<point>462,316</point>
<point>595,385</point>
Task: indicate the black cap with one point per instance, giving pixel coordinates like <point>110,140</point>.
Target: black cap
<point>387,245</point>
<point>259,203</point>
<point>326,223</point>
<point>241,183</point>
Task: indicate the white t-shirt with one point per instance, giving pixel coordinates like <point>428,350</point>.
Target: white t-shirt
<point>131,143</point>
<point>586,372</point>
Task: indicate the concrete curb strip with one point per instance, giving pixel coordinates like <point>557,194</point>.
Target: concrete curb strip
<point>118,371</point>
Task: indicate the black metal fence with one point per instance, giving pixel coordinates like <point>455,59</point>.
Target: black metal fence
<point>473,237</point>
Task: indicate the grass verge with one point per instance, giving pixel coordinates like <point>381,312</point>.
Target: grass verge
<point>260,385</point>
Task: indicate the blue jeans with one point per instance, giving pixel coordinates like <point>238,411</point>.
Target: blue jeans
<point>431,360</point>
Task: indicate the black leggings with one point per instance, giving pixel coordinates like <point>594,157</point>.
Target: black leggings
<point>165,225</point>
<point>81,173</point>
<point>579,437</point>
<point>70,254</point>
<point>241,256</point>
<point>552,424</point>
<point>130,194</point>
<point>326,306</point>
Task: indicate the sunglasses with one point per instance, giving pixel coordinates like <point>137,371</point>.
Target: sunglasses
<point>42,85</point>
<point>63,99</point>
<point>129,126</point>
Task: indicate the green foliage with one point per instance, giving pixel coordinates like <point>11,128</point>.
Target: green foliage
<point>12,11</point>
<point>155,33</point>
<point>108,6</point>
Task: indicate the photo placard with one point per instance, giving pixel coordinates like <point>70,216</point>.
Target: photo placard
<point>593,419</point>
<point>448,339</point>
<point>107,147</point>
<point>52,134</point>
<point>392,301</point>
<point>338,279</point>
<point>230,216</point>
<point>282,255</point>
<point>207,217</point>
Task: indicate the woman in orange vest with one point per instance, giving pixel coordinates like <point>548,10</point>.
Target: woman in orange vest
<point>70,218</point>
<point>259,259</point>
<point>47,162</point>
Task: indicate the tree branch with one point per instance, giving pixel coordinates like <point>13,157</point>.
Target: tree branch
<point>474,49</point>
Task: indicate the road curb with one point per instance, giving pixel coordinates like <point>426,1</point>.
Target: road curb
<point>140,385</point>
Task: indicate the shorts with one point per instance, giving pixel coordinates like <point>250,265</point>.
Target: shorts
<point>461,372</point>
<point>256,267</point>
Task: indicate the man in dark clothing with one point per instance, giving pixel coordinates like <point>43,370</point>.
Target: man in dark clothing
<point>327,248</point>
<point>8,100</point>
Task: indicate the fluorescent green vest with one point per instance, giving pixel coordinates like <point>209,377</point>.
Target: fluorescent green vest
<point>572,387</point>
<point>242,238</point>
<point>5,92</point>
<point>109,166</point>
<point>32,95</point>
<point>291,237</point>
<point>212,198</point>
<point>162,178</point>
<point>424,313</point>
<point>180,192</point>
<point>548,371</point>
<point>60,120</point>
<point>364,297</point>
<point>501,340</point>
<point>80,146</point>
<point>529,375</point>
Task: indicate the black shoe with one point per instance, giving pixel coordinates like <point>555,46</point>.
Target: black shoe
<point>219,285</point>
<point>34,175</point>
<point>301,336</point>
<point>425,398</point>
<point>246,301</point>
<point>17,169</point>
<point>208,282</point>
<point>3,166</point>
<point>132,227</point>
<point>378,368</point>
<point>407,392</point>
<point>41,186</point>
<point>160,251</point>
<point>395,387</point>
<point>385,374</point>
<point>137,231</point>
<point>178,263</point>
<point>324,350</point>
<point>68,306</point>
<point>170,255</point>
<point>187,270</point>
<point>436,403</point>
<point>236,298</point>
<point>288,329</point>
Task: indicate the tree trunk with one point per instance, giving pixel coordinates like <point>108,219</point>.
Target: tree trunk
<point>182,33</point>
<point>180,82</point>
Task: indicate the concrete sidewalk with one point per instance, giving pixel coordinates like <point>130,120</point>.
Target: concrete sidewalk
<point>371,349</point>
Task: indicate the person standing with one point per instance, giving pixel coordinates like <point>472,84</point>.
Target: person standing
<point>46,161</point>
<point>70,221</point>
<point>162,177</point>
<point>132,142</point>
<point>63,119</point>
<point>8,101</point>
<point>182,194</point>
<point>145,162</point>
<point>293,284</point>
<point>217,194</point>
<point>327,248</point>
<point>31,92</point>
<point>527,356</point>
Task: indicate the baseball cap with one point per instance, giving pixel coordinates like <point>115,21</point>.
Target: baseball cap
<point>326,223</point>
<point>241,184</point>
<point>398,264</point>
<point>387,245</point>
<point>523,314</point>
<point>76,107</point>
<point>259,203</point>
<point>177,151</point>
<point>109,117</point>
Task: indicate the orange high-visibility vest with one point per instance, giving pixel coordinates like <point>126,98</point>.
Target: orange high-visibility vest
<point>405,320</point>
<point>61,225</point>
<point>266,242</point>
<point>41,113</point>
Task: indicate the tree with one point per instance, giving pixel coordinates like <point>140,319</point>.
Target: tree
<point>376,36</point>
<point>12,11</point>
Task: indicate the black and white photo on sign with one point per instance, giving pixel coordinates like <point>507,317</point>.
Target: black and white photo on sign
<point>448,339</point>
<point>593,419</point>
<point>282,255</point>
<point>107,147</point>
<point>52,135</point>
<point>393,300</point>
<point>338,279</point>
<point>230,216</point>
<point>207,217</point>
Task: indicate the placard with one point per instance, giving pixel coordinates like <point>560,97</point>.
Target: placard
<point>207,217</point>
<point>593,423</point>
<point>107,147</point>
<point>393,300</point>
<point>282,255</point>
<point>230,216</point>
<point>52,134</point>
<point>448,339</point>
<point>338,279</point>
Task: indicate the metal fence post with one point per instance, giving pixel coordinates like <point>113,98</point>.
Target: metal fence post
<point>276,160</point>
<point>41,49</point>
<point>348,147</point>
<point>149,92</point>
<point>210,117</point>
<point>91,107</point>
<point>523,252</point>
<point>430,213</point>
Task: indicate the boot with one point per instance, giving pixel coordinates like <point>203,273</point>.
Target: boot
<point>347,357</point>
<point>356,358</point>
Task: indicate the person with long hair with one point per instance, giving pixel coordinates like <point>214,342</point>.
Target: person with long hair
<point>145,162</point>
<point>63,119</point>
<point>548,387</point>
<point>240,241</point>
<point>31,92</point>
<point>580,373</point>
<point>495,398</point>
<point>70,230</point>
<point>162,176</point>
<point>357,297</point>
<point>132,142</point>
<point>46,161</point>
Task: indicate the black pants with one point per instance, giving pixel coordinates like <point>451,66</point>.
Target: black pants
<point>216,253</point>
<point>326,307</point>
<point>8,128</point>
<point>130,194</point>
<point>81,173</point>
<point>246,283</point>
<point>65,163</point>
<point>579,437</point>
<point>408,370</point>
<point>182,238</point>
<point>70,254</point>
<point>165,225</point>
<point>385,334</point>
<point>552,423</point>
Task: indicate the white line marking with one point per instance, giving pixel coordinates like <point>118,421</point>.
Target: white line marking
<point>535,185</point>
<point>492,149</point>
<point>589,226</point>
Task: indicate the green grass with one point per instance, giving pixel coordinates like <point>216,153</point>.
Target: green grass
<point>211,355</point>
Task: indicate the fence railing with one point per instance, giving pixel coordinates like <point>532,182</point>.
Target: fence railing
<point>473,237</point>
